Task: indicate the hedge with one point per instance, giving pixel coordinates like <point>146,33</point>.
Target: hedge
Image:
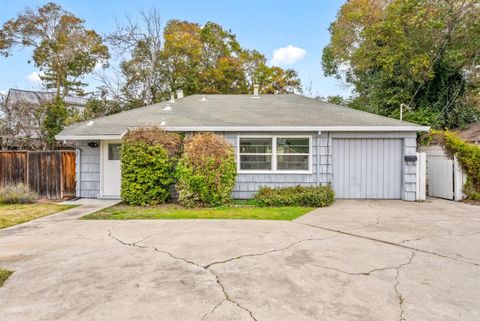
<point>206,172</point>
<point>315,196</point>
<point>468,156</point>
<point>148,162</point>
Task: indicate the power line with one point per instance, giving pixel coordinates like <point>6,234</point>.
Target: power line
<point>448,104</point>
<point>436,57</point>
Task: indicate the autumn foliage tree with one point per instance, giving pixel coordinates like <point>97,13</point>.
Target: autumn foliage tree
<point>195,58</point>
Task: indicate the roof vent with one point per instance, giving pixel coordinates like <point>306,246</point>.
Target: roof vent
<point>179,93</point>
<point>163,122</point>
<point>167,107</point>
<point>255,91</point>
<point>203,98</point>
<point>172,97</point>
<point>90,123</point>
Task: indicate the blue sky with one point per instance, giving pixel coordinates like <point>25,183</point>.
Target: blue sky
<point>299,27</point>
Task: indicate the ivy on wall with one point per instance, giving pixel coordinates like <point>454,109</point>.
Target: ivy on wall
<point>468,156</point>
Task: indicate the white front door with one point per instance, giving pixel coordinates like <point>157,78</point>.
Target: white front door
<point>111,176</point>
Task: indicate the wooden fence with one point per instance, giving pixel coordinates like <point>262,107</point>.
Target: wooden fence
<point>51,174</point>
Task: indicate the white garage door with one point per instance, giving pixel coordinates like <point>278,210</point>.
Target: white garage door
<point>367,168</point>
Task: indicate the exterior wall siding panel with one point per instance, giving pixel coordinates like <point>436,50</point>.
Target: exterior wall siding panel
<point>88,170</point>
<point>323,156</point>
<point>248,184</point>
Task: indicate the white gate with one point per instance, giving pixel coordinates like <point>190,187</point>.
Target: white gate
<point>440,177</point>
<point>444,175</point>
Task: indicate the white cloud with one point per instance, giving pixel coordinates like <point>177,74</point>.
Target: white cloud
<point>34,77</point>
<point>288,55</point>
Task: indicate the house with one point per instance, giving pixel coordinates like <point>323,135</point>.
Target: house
<point>279,140</point>
<point>21,125</point>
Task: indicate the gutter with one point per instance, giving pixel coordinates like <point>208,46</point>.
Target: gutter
<point>319,129</point>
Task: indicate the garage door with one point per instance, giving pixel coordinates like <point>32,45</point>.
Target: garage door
<point>367,168</point>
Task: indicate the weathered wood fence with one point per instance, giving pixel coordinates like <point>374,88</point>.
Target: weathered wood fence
<point>51,173</point>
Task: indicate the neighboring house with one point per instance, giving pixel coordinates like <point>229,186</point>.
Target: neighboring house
<point>279,140</point>
<point>22,116</point>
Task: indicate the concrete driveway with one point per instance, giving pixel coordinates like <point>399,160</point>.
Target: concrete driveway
<point>357,260</point>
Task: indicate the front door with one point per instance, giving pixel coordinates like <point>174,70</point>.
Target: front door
<point>111,151</point>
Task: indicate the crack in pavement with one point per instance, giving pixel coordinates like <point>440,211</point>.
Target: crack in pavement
<point>268,252</point>
<point>389,243</point>
<point>225,294</point>
<point>377,221</point>
<point>368,273</point>
<point>213,310</point>
<point>401,300</point>
<point>411,240</point>
<point>208,266</point>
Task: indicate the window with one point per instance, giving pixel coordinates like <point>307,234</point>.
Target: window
<point>293,154</point>
<point>114,151</point>
<point>255,153</point>
<point>274,154</point>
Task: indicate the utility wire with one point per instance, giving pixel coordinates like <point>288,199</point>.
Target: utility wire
<point>445,109</point>
<point>436,58</point>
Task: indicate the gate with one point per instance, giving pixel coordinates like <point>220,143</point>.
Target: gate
<point>51,174</point>
<point>445,177</point>
<point>440,177</point>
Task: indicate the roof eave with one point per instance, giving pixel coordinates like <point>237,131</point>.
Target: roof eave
<point>256,128</point>
<point>88,137</point>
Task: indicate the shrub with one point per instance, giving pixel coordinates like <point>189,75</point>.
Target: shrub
<point>206,172</point>
<point>317,196</point>
<point>148,166</point>
<point>17,194</point>
<point>468,156</point>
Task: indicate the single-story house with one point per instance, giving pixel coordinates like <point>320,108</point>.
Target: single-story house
<point>279,140</point>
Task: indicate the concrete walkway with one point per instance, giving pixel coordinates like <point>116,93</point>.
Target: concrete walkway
<point>357,260</point>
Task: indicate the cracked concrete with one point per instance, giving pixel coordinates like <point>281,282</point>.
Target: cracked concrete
<point>357,260</point>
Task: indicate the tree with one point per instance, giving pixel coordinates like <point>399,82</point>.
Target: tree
<point>335,99</point>
<point>188,56</point>
<point>142,73</point>
<point>421,53</point>
<point>63,49</point>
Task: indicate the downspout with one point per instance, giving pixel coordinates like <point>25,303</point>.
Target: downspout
<point>318,160</point>
<point>78,160</point>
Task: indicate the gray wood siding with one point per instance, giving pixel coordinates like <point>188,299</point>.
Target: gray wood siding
<point>408,177</point>
<point>88,164</point>
<point>248,184</point>
<point>88,170</point>
<point>367,168</point>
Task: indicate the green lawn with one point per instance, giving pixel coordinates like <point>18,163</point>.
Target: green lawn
<point>4,275</point>
<point>174,211</point>
<point>13,214</point>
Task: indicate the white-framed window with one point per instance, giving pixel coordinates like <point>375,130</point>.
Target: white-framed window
<point>274,154</point>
